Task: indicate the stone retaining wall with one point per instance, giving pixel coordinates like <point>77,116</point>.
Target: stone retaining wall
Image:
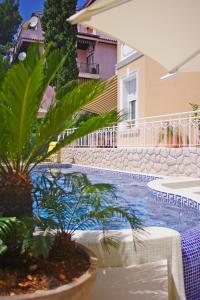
<point>163,161</point>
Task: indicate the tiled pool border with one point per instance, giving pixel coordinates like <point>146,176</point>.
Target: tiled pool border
<point>138,176</point>
<point>190,244</point>
<point>166,197</point>
<point>174,199</point>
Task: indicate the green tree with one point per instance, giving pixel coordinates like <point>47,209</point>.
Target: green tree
<point>82,117</point>
<point>62,34</point>
<point>24,142</point>
<point>3,68</point>
<point>10,20</point>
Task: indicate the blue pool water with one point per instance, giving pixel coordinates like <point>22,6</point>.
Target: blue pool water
<point>133,194</point>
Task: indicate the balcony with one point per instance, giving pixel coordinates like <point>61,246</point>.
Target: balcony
<point>90,71</point>
<point>25,38</point>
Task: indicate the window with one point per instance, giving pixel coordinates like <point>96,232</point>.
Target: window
<point>129,97</point>
<point>90,59</point>
<point>132,110</point>
<point>90,66</point>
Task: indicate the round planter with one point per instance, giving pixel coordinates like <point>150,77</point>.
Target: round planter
<point>79,289</point>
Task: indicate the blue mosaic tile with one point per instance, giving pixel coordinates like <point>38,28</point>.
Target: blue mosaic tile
<point>138,177</point>
<point>191,262</point>
<point>175,200</point>
<point>52,165</point>
<point>190,243</point>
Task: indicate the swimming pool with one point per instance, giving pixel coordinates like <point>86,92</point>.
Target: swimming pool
<point>133,193</point>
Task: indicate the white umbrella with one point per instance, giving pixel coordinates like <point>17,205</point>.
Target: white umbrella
<point>166,30</point>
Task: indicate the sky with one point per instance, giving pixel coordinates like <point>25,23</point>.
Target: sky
<point>29,6</point>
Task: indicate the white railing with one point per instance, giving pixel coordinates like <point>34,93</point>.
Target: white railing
<point>173,130</point>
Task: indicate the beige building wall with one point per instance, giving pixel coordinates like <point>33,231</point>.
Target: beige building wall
<point>155,96</point>
<point>172,95</point>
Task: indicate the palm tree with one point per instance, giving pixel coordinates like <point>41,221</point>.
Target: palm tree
<point>23,140</point>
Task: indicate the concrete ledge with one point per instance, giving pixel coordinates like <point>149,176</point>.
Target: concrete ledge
<point>156,244</point>
<point>139,282</point>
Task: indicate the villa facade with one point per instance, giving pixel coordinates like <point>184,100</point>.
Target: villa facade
<point>141,92</point>
<point>96,59</point>
<point>96,52</point>
<point>157,113</point>
<point>156,106</point>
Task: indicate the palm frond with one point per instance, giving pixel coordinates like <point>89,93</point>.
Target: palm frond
<point>60,117</point>
<point>65,89</point>
<point>39,245</point>
<point>23,139</point>
<point>109,241</point>
<point>6,226</point>
<point>87,127</point>
<point>82,205</point>
<point>21,95</point>
<point>3,247</point>
<point>63,112</point>
<point>32,58</point>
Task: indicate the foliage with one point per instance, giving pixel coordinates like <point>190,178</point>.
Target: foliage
<point>194,106</point>
<point>70,202</point>
<point>6,227</point>
<point>27,81</point>
<point>3,68</point>
<point>64,203</point>
<point>10,19</point>
<point>24,142</point>
<point>82,117</point>
<point>17,239</point>
<point>63,35</point>
<point>196,121</point>
<point>36,245</point>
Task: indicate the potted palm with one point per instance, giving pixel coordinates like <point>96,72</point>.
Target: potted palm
<point>29,241</point>
<point>49,263</point>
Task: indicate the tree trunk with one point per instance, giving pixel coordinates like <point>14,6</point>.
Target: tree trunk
<point>15,195</point>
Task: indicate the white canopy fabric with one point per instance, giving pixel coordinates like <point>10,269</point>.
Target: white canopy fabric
<point>166,30</point>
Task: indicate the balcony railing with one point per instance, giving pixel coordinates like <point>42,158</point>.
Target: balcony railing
<point>174,130</point>
<point>28,35</point>
<point>88,68</point>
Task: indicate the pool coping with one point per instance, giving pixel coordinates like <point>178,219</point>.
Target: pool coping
<point>181,197</point>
